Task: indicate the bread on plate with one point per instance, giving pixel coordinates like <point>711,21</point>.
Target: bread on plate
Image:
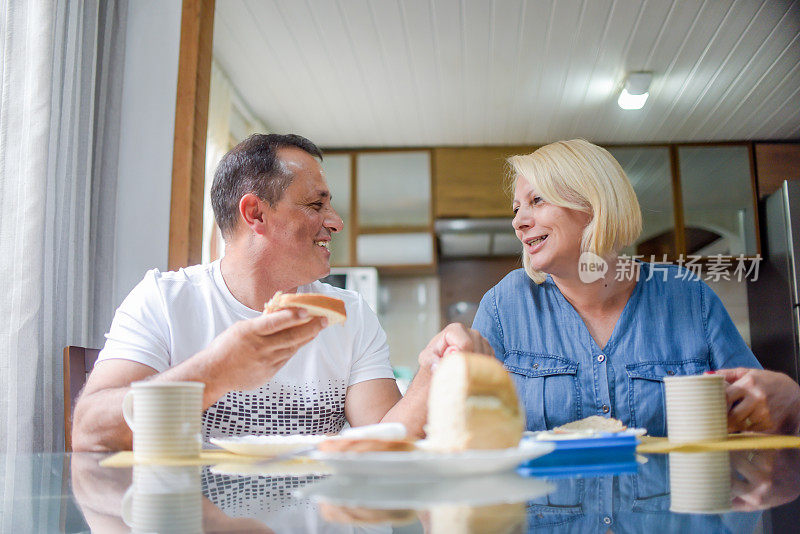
<point>472,404</point>
<point>593,423</point>
<point>365,445</point>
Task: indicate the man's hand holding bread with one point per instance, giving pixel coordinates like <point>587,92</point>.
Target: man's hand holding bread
<point>250,352</point>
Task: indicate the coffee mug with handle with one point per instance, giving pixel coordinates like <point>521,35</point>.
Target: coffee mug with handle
<point>165,417</point>
<point>164,498</point>
<point>696,409</point>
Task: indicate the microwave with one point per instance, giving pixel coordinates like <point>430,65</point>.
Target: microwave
<point>363,280</point>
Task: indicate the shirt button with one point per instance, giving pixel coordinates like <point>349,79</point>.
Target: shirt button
<point>605,408</point>
<point>535,366</point>
<point>607,520</point>
<point>671,373</point>
<point>601,358</point>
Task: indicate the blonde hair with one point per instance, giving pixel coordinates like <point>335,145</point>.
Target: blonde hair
<point>581,176</point>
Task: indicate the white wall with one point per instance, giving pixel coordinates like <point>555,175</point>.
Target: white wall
<point>409,313</point>
<point>147,124</point>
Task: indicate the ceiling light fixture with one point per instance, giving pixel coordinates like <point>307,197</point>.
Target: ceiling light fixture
<point>635,92</point>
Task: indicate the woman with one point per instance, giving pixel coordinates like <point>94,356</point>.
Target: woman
<point>591,334</point>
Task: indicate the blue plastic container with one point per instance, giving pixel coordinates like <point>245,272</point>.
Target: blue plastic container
<point>602,454</point>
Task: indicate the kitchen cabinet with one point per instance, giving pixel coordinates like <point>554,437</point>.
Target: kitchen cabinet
<point>386,197</point>
<point>718,197</point>
<point>394,209</point>
<point>776,162</point>
<point>395,249</point>
<point>696,199</point>
<point>394,189</point>
<point>470,181</point>
<point>338,171</point>
<point>648,169</point>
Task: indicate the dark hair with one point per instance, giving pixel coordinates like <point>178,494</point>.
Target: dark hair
<point>253,166</point>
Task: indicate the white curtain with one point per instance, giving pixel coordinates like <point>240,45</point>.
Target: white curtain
<point>60,97</point>
<point>59,129</point>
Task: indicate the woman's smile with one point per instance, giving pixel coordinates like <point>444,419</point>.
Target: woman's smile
<point>535,244</point>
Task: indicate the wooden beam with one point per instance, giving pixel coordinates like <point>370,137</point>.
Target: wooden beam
<point>191,121</point>
<point>677,204</point>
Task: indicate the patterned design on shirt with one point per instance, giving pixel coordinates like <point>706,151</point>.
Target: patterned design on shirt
<point>254,496</point>
<point>278,409</point>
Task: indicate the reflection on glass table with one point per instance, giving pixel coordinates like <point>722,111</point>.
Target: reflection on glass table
<point>637,502</point>
<point>72,493</point>
<point>764,479</point>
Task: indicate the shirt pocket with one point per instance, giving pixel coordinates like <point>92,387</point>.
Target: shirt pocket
<point>651,486</point>
<point>646,399</point>
<point>547,386</point>
<point>546,517</point>
<point>563,505</point>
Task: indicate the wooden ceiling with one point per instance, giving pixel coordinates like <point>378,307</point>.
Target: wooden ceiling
<point>373,73</point>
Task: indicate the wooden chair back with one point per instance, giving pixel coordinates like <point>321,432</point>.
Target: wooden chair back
<point>78,363</point>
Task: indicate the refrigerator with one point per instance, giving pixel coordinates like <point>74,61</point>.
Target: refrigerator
<point>774,298</point>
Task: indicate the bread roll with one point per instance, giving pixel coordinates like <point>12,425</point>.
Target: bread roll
<point>472,404</point>
<point>316,305</point>
<point>593,423</point>
<point>364,445</point>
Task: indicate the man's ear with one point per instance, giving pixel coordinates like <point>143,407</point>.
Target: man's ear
<point>251,209</point>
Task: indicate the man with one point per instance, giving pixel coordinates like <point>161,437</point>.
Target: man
<point>276,373</point>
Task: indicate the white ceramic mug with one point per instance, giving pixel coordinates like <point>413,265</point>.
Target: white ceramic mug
<point>696,408</point>
<point>164,499</point>
<point>165,417</point>
<point>700,482</point>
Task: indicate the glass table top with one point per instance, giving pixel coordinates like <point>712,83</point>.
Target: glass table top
<point>743,491</point>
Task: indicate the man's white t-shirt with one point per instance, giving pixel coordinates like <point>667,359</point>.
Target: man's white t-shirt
<point>169,317</point>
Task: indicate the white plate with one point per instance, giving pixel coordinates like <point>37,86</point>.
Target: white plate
<point>393,494</point>
<point>267,445</point>
<point>274,445</point>
<point>431,464</point>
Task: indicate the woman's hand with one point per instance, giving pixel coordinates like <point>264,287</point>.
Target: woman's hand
<point>412,409</point>
<point>764,479</point>
<point>761,401</point>
<point>454,337</point>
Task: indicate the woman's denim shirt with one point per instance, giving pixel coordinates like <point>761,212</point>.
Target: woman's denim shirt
<point>673,324</point>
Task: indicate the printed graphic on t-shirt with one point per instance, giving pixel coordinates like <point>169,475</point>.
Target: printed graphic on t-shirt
<point>278,409</point>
